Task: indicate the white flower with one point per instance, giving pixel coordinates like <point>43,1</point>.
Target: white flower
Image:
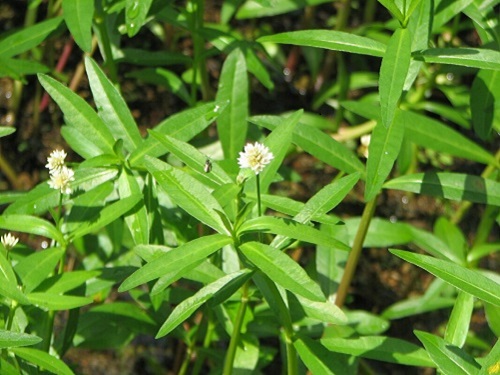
<point>61,178</point>
<point>9,241</point>
<point>365,143</point>
<point>55,160</point>
<point>256,156</point>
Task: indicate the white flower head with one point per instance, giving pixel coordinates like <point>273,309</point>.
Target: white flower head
<point>55,160</point>
<point>9,241</point>
<point>256,156</point>
<point>61,178</point>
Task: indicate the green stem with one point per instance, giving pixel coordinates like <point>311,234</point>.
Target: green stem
<point>275,300</point>
<point>100,21</point>
<point>235,337</point>
<point>355,253</point>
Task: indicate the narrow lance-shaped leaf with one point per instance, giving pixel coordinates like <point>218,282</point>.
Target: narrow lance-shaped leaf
<point>329,39</point>
<point>188,193</point>
<point>233,88</point>
<point>183,126</point>
<point>112,107</point>
<point>321,203</point>
<point>290,228</point>
<point>470,57</point>
<point>28,37</point>
<point>138,220</point>
<point>78,16</point>
<point>485,101</point>
<point>107,215</point>
<point>383,151</point>
<point>179,260</point>
<point>393,71</point>
<point>33,225</point>
<point>193,158</point>
<point>58,302</point>
<point>81,117</point>
<point>448,358</point>
<point>458,324</point>
<point>317,143</point>
<point>380,348</point>
<point>455,186</point>
<point>187,307</point>
<point>135,15</point>
<point>280,268</point>
<point>470,281</point>
<point>10,339</point>
<point>36,267</point>
<point>43,360</point>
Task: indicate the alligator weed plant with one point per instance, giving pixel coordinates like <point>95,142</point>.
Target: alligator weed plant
<point>182,236</point>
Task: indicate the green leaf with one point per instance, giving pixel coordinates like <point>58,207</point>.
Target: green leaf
<point>470,57</point>
<point>321,203</point>
<point>138,220</point>
<point>381,232</point>
<point>43,360</point>
<point>67,281</point>
<point>57,302</point>
<point>78,16</point>
<point>416,306</point>
<point>326,312</point>
<point>95,138</point>
<point>393,9</point>
<point>445,11</point>
<point>380,348</point>
<point>8,282</point>
<point>458,323</point>
<point>282,269</point>
<point>292,207</point>
<point>470,281</point>
<point>135,15</point>
<point>176,261</point>
<point>183,126</point>
<point>393,71</point>
<point>112,325</point>
<point>491,363</point>
<point>485,101</point>
<point>187,307</point>
<point>33,225</point>
<point>106,215</point>
<point>141,56</point>
<point>233,88</point>
<point>320,360</point>
<point>28,38</point>
<point>164,77</point>
<point>112,107</point>
<point>193,158</point>
<point>383,150</point>
<point>448,358</point>
<point>188,193</point>
<point>85,206</point>
<point>433,134</point>
<point>455,186</point>
<point>265,8</point>
<point>10,339</point>
<point>291,229</point>
<point>36,267</point>
<point>6,130</point>
<point>329,39</point>
<point>317,143</point>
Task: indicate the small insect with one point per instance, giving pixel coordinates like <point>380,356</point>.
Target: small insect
<point>208,166</point>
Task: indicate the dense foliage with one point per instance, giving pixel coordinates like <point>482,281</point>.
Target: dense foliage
<point>185,229</point>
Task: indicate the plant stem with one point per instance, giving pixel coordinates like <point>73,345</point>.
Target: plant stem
<point>355,253</point>
<point>235,337</point>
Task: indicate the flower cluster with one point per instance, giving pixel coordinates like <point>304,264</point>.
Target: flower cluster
<point>60,175</point>
<point>256,156</point>
<point>9,241</point>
